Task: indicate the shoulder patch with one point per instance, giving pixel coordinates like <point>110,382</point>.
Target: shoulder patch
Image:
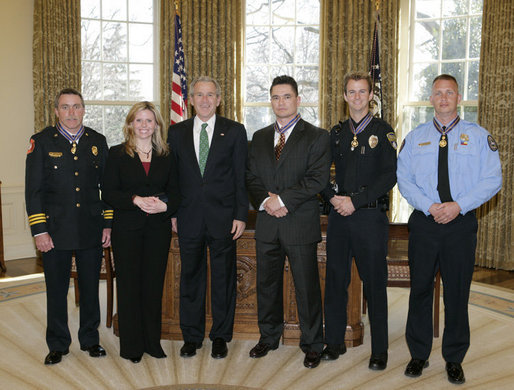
<point>391,137</point>
<point>401,147</point>
<point>492,143</point>
<point>31,146</point>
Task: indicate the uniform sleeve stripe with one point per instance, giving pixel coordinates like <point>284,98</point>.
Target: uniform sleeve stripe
<point>36,221</point>
<point>36,216</point>
<point>108,214</point>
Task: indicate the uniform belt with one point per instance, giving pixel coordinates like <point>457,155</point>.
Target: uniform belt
<point>371,205</point>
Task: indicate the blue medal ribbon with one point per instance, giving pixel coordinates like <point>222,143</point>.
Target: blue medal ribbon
<point>291,123</point>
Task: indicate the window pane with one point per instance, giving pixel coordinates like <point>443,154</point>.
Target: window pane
<point>114,9</point>
<point>427,40</point>
<point>114,119</point>
<point>256,118</point>
<point>141,43</point>
<point>257,45</point>
<point>424,74</point>
<point>307,11</point>
<point>93,118</point>
<point>473,80</point>
<point>141,82</point>
<point>456,69</point>
<point>475,36</point>
<point>257,12</point>
<point>428,8</point>
<point>90,8</point>
<point>310,114</point>
<point>279,70</point>
<point>470,113</point>
<point>91,80</point>
<point>307,45</point>
<point>455,7</point>
<point>282,45</point>
<point>476,6</point>
<point>141,11</point>
<point>308,83</point>
<point>257,84</point>
<point>283,11</point>
<point>454,39</point>
<point>90,40</point>
<point>115,81</point>
<point>114,41</point>
<point>414,116</point>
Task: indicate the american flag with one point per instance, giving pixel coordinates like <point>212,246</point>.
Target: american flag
<point>179,83</point>
<point>374,72</point>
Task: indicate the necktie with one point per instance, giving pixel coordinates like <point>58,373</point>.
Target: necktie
<point>443,179</point>
<point>280,145</point>
<point>204,148</point>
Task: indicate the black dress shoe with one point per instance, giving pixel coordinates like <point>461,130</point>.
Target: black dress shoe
<point>455,373</point>
<point>332,351</point>
<point>415,367</point>
<point>378,361</point>
<point>312,359</point>
<point>262,349</point>
<point>189,349</point>
<point>135,359</point>
<point>55,357</point>
<point>219,348</point>
<point>94,350</point>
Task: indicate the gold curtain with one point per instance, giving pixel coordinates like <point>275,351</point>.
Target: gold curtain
<point>56,60</point>
<point>346,42</point>
<point>212,32</point>
<point>495,247</point>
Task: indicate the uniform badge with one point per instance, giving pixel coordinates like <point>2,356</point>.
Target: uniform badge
<point>373,141</point>
<point>391,137</point>
<point>31,146</point>
<point>94,150</point>
<point>55,154</point>
<point>492,143</point>
<point>464,138</point>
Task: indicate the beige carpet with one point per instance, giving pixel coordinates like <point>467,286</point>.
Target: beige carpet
<point>488,364</point>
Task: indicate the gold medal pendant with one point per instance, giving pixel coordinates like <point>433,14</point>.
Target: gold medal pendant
<point>354,143</point>
<point>442,142</point>
<point>73,148</point>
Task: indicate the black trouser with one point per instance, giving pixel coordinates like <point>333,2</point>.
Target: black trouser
<point>193,280</point>
<point>270,276</point>
<point>362,235</point>
<point>57,268</point>
<point>140,257</point>
<point>449,248</point>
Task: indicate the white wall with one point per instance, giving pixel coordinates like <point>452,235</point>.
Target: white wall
<point>17,121</point>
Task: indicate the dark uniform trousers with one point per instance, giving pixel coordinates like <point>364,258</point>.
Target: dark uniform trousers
<point>193,277</point>
<point>362,235</point>
<point>449,248</point>
<point>57,266</point>
<point>140,257</point>
<point>270,277</point>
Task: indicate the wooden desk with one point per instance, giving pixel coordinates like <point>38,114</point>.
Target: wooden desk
<point>245,324</point>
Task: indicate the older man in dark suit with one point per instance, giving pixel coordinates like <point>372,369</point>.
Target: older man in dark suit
<point>211,154</point>
<point>288,165</point>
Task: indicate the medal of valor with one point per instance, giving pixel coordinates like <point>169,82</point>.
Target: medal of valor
<point>362,125</point>
<point>94,150</point>
<point>442,142</point>
<point>354,142</point>
<point>73,147</point>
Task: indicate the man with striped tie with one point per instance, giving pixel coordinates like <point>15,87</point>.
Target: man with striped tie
<point>289,164</point>
<point>64,170</point>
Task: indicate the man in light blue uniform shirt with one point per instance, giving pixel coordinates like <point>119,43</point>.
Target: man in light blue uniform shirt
<point>446,169</point>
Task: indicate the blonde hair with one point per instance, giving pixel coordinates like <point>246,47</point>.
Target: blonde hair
<point>158,144</point>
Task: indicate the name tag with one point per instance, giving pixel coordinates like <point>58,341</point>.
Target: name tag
<point>424,143</point>
<point>55,154</point>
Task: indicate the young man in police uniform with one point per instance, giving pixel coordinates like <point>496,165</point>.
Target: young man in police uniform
<point>64,170</point>
<point>446,169</point>
<point>364,154</point>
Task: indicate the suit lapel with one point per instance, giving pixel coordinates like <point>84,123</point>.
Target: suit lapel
<point>217,134</point>
<point>189,147</point>
<point>293,139</point>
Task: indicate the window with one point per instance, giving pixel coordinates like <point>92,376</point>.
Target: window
<point>119,65</point>
<point>443,36</point>
<point>282,37</point>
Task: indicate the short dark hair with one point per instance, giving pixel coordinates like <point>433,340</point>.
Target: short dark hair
<point>356,76</point>
<point>68,91</point>
<point>447,77</point>
<point>284,79</point>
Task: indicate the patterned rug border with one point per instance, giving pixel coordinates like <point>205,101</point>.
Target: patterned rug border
<point>199,386</point>
<point>22,290</point>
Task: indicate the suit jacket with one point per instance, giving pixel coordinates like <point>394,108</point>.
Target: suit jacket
<point>125,177</point>
<point>219,197</point>
<point>62,189</point>
<point>297,177</point>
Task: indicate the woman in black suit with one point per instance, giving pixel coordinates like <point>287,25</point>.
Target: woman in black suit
<point>141,184</point>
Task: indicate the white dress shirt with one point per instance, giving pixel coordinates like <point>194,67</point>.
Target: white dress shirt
<point>197,128</point>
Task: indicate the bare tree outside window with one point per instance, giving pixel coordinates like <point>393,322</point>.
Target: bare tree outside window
<point>282,37</point>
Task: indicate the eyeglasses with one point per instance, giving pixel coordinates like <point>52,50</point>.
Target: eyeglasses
<point>67,107</point>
